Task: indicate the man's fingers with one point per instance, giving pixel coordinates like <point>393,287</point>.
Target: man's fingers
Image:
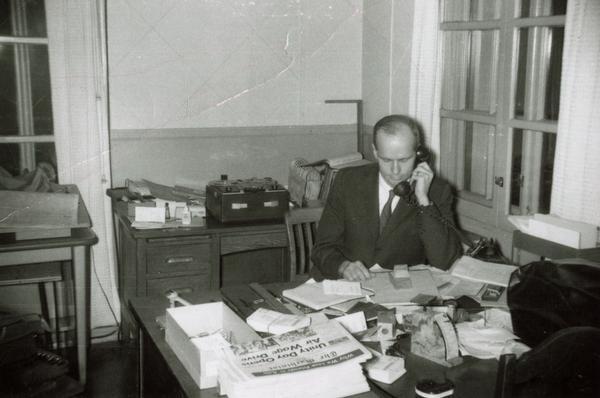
<point>356,272</point>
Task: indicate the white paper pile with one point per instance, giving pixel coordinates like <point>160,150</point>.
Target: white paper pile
<point>269,321</point>
<point>322,360</point>
<point>484,342</point>
<point>385,369</point>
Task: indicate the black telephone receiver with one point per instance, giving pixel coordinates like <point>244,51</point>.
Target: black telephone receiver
<point>404,188</point>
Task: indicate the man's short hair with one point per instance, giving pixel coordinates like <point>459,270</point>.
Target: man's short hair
<point>391,124</point>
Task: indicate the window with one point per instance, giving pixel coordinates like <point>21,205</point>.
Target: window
<point>500,105</point>
<point>26,127</point>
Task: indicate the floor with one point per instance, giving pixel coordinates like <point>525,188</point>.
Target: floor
<point>112,371</point>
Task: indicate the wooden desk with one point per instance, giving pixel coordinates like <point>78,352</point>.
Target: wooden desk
<point>195,259</point>
<point>160,372</point>
<point>76,249</point>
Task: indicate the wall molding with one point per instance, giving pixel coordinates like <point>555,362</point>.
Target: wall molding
<point>230,132</point>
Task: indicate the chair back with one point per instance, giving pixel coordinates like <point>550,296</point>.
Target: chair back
<point>301,224</point>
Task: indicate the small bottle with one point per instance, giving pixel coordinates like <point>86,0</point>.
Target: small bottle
<point>186,216</point>
<point>167,212</point>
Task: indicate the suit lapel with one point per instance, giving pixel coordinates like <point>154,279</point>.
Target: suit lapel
<point>371,201</point>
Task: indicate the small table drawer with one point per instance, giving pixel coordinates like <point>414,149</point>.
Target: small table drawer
<point>246,242</point>
<point>181,284</point>
<point>178,258</point>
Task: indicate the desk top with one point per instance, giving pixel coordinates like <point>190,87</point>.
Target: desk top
<point>211,225</point>
<point>79,237</point>
<point>473,378</point>
<point>146,309</point>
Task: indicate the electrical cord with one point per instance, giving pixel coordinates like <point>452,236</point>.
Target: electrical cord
<point>118,324</point>
<point>487,246</point>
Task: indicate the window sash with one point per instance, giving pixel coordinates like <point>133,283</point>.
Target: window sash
<point>26,137</point>
<point>502,117</point>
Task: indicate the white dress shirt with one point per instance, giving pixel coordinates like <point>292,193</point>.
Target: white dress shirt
<point>384,193</point>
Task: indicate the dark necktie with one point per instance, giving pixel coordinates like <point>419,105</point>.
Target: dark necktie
<point>386,213</point>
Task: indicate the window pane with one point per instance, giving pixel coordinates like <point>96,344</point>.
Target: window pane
<point>35,73</point>
<point>41,100</point>
<point>10,158</point>
<point>476,157</point>
<point>544,150</point>
<point>470,10</point>
<point>44,156</point>
<point>552,96</point>
<point>36,18</point>
<point>523,43</point>
<point>30,16</point>
<point>547,167</point>
<point>468,156</point>
<point>517,167</point>
<point>9,122</point>
<point>470,71</point>
<point>542,8</point>
<point>538,97</point>
<point>5,24</point>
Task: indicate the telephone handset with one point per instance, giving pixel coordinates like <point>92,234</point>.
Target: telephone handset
<point>404,189</point>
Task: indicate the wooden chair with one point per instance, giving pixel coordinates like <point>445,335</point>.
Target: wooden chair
<point>301,225</point>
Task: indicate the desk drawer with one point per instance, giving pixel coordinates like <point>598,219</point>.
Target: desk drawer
<point>178,258</point>
<point>181,284</point>
<point>240,243</point>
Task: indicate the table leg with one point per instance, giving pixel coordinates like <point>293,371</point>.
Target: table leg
<point>80,261</point>
<point>140,362</point>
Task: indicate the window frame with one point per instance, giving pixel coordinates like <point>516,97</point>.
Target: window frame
<point>26,138</point>
<point>475,213</point>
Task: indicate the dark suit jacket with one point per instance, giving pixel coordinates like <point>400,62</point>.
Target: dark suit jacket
<point>349,227</point>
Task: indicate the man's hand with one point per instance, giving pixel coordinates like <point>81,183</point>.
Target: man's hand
<point>422,175</point>
<point>354,271</point>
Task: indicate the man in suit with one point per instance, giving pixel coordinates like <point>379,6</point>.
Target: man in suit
<point>364,223</point>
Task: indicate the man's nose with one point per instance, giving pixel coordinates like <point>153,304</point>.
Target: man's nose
<point>396,167</point>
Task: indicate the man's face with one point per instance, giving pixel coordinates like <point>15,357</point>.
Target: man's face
<point>395,155</point>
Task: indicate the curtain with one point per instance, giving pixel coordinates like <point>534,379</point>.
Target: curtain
<point>425,76</point>
<point>576,182</point>
<point>77,53</point>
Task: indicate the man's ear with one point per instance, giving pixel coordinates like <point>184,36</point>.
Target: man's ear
<point>374,150</point>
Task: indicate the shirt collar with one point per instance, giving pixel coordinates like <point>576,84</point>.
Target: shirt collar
<point>384,186</point>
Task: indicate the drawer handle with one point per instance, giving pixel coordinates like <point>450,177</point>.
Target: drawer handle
<point>179,290</point>
<point>177,260</point>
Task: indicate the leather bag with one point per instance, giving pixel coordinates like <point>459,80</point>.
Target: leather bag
<point>545,297</point>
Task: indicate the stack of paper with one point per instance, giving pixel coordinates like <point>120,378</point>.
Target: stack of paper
<point>386,293</point>
<point>322,360</point>
<point>486,282</point>
<point>475,270</point>
<point>269,321</point>
<point>313,295</point>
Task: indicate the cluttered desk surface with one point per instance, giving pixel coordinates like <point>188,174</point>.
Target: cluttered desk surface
<point>471,376</point>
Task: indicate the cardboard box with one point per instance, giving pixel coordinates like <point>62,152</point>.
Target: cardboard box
<point>577,235</point>
<point>195,333</point>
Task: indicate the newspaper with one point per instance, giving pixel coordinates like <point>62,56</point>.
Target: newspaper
<point>303,349</point>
